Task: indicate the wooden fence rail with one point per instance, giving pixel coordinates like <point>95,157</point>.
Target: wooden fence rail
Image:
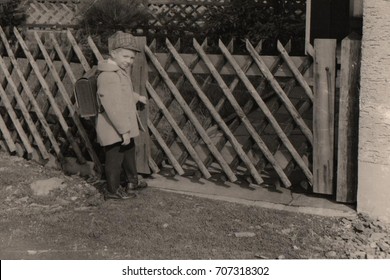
<point>241,117</point>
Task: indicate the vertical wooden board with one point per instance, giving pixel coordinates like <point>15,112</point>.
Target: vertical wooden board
<point>323,118</point>
<point>307,26</point>
<point>347,149</point>
<point>139,76</point>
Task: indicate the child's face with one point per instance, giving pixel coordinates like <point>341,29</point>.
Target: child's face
<point>123,57</point>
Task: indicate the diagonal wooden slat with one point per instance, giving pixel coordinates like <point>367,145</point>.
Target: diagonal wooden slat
<point>45,13</point>
<point>250,104</point>
<point>153,165</point>
<point>30,123</point>
<point>195,100</point>
<point>54,86</point>
<point>52,101</point>
<point>4,83</point>
<point>158,116</point>
<point>193,103</point>
<point>94,49</point>
<point>267,113</point>
<point>225,167</point>
<point>53,13</point>
<point>33,13</point>
<point>20,87</point>
<point>301,80</point>
<point>63,58</point>
<point>236,145</point>
<point>182,120</point>
<point>36,87</point>
<point>288,128</point>
<point>78,51</point>
<point>178,131</point>
<point>274,105</point>
<point>10,110</point>
<point>279,91</point>
<point>69,104</point>
<point>176,165</point>
<point>242,115</point>
<point>222,101</point>
<point>7,135</point>
<point>31,97</point>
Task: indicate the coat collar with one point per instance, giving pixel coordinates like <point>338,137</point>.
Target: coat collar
<point>108,66</point>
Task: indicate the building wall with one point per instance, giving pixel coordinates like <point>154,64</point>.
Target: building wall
<point>374,120</point>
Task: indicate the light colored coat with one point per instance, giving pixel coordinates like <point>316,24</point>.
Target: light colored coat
<point>118,99</point>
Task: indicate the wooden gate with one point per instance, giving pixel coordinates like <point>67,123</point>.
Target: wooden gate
<point>219,81</point>
<point>232,116</point>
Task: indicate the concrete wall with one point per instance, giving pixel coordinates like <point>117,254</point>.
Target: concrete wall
<point>374,121</point>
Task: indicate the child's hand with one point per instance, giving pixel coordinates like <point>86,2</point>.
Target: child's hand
<point>126,139</point>
<point>142,99</point>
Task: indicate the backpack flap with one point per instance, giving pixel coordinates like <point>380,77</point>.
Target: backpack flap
<point>86,95</point>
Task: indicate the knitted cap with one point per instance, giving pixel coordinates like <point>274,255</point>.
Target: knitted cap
<point>122,40</point>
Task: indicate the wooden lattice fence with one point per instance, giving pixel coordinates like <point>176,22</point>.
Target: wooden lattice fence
<point>187,15</point>
<point>250,117</point>
<point>52,14</point>
<point>236,115</point>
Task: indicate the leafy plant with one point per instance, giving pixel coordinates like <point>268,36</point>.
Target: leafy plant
<point>12,13</point>
<point>255,20</point>
<point>101,18</point>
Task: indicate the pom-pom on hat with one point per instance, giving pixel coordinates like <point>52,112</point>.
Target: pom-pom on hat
<point>122,40</point>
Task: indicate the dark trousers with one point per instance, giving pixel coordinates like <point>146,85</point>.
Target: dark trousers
<point>118,156</point>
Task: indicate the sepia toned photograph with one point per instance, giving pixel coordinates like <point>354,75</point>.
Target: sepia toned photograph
<point>194,130</point>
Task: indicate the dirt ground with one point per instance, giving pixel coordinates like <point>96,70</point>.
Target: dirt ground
<point>72,221</point>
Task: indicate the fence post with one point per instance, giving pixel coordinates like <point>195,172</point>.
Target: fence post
<point>139,76</point>
<point>347,149</point>
<point>323,115</point>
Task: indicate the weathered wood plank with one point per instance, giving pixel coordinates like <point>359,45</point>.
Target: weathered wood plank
<point>294,69</point>
<point>178,131</point>
<point>218,119</point>
<point>94,49</point>
<point>347,148</point>
<point>153,166</point>
<point>323,115</point>
<point>229,173</point>
<point>63,59</point>
<point>78,51</point>
<point>139,76</point>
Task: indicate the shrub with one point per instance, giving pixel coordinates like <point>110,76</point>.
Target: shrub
<point>255,20</point>
<point>102,18</point>
<point>12,13</point>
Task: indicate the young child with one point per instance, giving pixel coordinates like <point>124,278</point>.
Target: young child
<point>118,123</point>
